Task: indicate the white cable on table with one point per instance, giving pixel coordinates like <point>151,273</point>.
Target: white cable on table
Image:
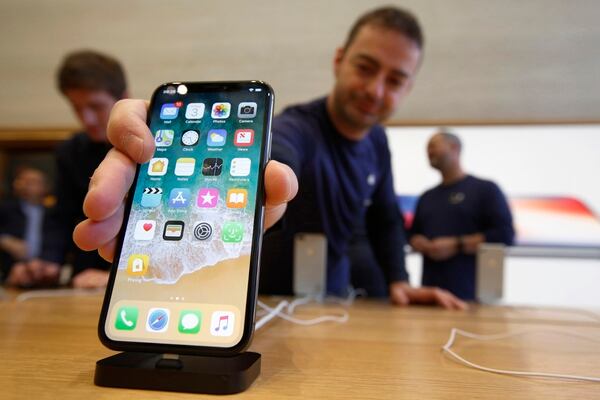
<point>447,350</point>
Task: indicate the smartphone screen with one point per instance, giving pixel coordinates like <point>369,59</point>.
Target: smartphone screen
<point>184,277</point>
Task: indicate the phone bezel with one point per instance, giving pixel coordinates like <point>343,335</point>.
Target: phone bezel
<point>252,293</point>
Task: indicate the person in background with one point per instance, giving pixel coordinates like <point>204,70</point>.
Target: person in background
<point>452,219</point>
<point>30,247</point>
<point>335,147</point>
<point>92,83</point>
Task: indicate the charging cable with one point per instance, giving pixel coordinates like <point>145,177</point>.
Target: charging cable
<point>458,332</point>
<point>278,311</point>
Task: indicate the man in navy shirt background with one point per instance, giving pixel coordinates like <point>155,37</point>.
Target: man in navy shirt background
<point>339,153</point>
<point>454,218</point>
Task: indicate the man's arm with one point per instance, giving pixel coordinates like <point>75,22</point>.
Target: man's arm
<point>133,143</point>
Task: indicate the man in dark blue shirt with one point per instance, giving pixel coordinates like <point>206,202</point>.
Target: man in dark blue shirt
<point>339,153</point>
<point>454,218</point>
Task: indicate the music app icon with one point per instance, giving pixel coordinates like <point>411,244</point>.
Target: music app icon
<point>221,323</point>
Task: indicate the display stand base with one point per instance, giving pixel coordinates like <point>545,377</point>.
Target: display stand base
<point>195,374</point>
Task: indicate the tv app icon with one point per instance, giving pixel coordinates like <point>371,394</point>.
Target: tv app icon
<point>158,320</point>
<point>126,318</point>
<point>151,197</point>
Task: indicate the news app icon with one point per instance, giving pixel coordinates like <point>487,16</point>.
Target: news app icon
<point>243,137</point>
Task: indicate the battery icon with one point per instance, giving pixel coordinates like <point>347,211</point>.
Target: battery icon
<point>258,90</point>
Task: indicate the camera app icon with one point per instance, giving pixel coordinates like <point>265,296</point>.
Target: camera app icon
<point>247,110</point>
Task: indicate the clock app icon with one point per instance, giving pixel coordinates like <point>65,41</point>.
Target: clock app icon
<point>190,138</point>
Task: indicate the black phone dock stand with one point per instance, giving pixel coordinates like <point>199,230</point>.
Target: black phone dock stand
<point>183,373</point>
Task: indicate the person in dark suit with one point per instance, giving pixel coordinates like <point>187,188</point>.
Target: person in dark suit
<point>30,240</point>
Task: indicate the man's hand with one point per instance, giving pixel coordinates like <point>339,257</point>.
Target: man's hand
<point>133,143</point>
<point>443,248</point>
<point>420,244</point>
<point>33,273</point>
<point>470,243</point>
<point>402,294</point>
<point>17,248</point>
<point>90,278</point>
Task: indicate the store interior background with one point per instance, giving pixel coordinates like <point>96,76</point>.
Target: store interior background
<point>518,81</point>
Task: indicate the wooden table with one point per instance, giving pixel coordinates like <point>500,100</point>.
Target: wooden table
<point>49,348</point>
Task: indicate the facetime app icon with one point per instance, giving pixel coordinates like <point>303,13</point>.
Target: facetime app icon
<point>173,230</point>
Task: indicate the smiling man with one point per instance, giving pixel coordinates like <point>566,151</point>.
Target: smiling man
<point>340,155</point>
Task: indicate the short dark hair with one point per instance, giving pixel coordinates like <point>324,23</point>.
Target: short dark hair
<point>390,17</point>
<point>450,137</point>
<point>87,69</point>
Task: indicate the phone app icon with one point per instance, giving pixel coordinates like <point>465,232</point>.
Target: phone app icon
<point>189,321</point>
<point>247,109</point>
<point>164,137</point>
<point>202,230</point>
<point>151,197</point>
<point>220,110</point>
<point>233,232</point>
<point>185,166</point>
<point>212,166</point>
<point>126,318</point>
<point>243,137</point>
<point>158,166</point>
<point>216,137</point>
<point>190,138</point>
<point>169,111</point>
<point>237,198</point>
<point>158,320</point>
<point>208,197</point>
<point>144,229</point>
<point>221,323</point>
<point>137,264</point>
<point>240,167</point>
<point>173,230</point>
<point>194,111</point>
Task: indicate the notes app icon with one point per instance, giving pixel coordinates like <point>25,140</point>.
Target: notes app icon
<point>185,166</point>
<point>221,323</point>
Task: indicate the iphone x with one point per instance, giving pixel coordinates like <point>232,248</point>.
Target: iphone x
<point>185,274</point>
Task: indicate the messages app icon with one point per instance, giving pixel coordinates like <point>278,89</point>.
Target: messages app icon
<point>189,321</point>
<point>126,318</point>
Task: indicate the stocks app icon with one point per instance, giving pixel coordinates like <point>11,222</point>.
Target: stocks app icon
<point>212,166</point>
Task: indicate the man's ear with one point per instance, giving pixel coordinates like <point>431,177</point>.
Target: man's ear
<point>337,59</point>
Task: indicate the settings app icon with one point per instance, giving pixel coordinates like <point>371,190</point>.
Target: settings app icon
<point>203,231</point>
